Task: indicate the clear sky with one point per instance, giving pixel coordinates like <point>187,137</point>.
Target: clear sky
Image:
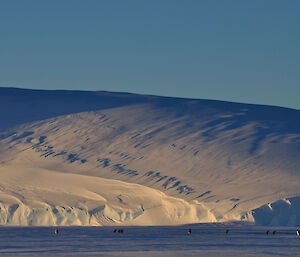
<point>242,50</point>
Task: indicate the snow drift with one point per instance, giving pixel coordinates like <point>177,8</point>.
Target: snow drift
<point>46,198</point>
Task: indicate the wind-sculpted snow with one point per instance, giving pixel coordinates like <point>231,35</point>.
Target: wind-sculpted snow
<point>232,159</point>
<point>284,212</point>
<point>41,197</point>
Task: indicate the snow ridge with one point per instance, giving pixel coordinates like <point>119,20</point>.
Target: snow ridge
<point>40,197</point>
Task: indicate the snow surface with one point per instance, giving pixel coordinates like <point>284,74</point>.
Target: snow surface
<point>40,197</point>
<point>205,240</point>
<point>100,158</point>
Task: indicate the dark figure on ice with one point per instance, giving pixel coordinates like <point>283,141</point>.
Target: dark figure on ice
<point>189,231</point>
<point>56,231</point>
<point>227,231</point>
<point>274,232</point>
<point>115,230</point>
<point>267,232</point>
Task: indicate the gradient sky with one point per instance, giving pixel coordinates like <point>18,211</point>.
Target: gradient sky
<point>243,51</point>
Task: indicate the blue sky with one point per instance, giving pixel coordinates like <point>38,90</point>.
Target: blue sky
<point>242,51</point>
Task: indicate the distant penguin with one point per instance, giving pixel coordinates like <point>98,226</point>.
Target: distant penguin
<point>274,232</point>
<point>298,232</point>
<point>189,231</point>
<point>267,232</point>
<point>227,231</point>
<point>115,230</point>
<point>56,231</point>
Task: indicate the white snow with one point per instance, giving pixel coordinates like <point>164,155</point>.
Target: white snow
<point>103,158</point>
<point>41,197</point>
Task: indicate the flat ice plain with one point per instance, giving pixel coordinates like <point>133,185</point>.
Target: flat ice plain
<point>205,240</point>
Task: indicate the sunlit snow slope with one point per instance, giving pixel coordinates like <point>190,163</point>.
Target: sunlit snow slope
<point>100,158</point>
